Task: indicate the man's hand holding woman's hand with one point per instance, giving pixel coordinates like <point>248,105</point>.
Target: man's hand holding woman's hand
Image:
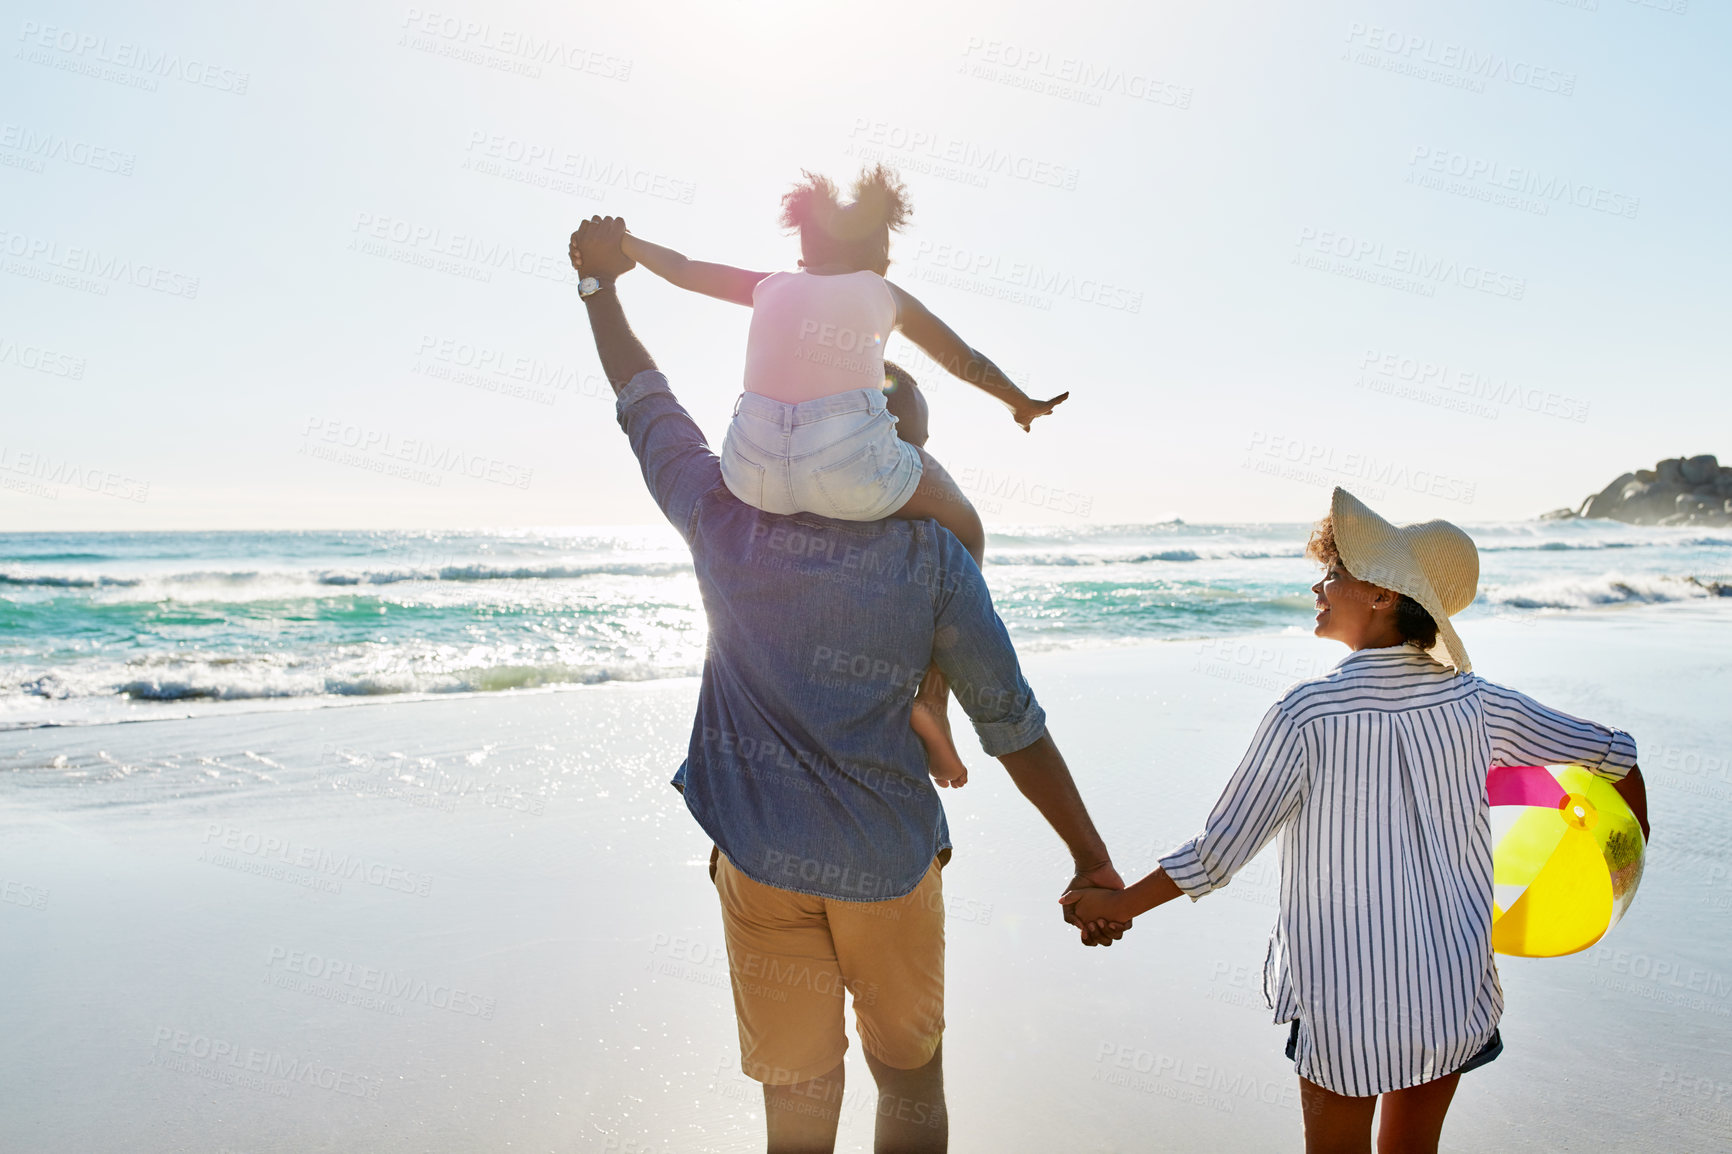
<point>1091,885</point>
<point>595,248</point>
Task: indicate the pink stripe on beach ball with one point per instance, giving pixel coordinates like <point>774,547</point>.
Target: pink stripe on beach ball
<point>1522,785</point>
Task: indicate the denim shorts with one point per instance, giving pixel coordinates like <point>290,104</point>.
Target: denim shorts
<point>837,456</point>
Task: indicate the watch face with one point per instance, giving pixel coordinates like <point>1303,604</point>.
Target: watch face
<point>588,285</point>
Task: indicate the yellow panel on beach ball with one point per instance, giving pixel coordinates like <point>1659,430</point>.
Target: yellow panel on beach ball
<point>1566,858</point>
<point>1568,907</point>
<point>1524,849</point>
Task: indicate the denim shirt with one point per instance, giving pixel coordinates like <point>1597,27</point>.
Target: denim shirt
<point>802,767</point>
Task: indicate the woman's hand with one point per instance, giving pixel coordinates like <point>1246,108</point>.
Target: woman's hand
<point>1098,883</point>
<point>1027,409</point>
<point>1093,908</point>
<point>1634,791</point>
<point>1090,904</point>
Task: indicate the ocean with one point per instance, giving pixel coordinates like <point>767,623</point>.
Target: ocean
<point>107,626</point>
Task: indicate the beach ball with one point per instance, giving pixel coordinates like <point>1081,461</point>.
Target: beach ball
<point>1566,859</point>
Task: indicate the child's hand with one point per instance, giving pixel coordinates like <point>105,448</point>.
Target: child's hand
<point>1027,409</point>
<point>601,237</point>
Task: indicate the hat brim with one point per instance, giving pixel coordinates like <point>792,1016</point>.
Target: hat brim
<point>1377,551</point>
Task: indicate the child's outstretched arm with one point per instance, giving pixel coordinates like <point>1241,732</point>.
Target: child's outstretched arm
<point>940,342</point>
<point>717,280</point>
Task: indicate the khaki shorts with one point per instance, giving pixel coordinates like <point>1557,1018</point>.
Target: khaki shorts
<point>792,955</point>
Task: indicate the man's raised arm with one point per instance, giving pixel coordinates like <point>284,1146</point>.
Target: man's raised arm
<point>595,252</point>
<point>677,464</point>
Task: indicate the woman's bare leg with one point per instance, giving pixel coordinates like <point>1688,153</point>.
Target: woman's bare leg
<point>1412,1118</point>
<point>1335,1123</point>
<point>942,500</point>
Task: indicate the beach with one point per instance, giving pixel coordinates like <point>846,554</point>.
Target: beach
<point>482,921</point>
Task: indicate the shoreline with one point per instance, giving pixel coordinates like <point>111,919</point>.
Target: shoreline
<point>203,707</point>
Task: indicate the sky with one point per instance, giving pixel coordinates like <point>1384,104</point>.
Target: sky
<point>303,266</point>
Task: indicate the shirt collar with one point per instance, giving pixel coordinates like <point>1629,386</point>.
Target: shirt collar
<point>1404,654</point>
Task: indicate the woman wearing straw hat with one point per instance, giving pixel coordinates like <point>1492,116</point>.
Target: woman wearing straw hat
<point>1373,776</point>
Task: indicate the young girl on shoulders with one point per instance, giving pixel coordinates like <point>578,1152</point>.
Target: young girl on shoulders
<point>814,431</point>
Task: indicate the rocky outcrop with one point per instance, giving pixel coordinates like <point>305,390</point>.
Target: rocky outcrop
<point>1677,491</point>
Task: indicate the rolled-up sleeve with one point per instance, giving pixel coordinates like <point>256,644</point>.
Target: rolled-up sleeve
<point>677,463</point>
<point>972,647</point>
<point>1262,796</point>
<point>1524,732</point>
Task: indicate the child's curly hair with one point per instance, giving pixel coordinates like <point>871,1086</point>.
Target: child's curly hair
<point>1411,618</point>
<point>831,230</point>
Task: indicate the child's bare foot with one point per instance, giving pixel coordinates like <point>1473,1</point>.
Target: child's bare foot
<point>930,719</point>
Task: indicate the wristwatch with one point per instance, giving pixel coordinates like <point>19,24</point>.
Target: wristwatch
<point>589,286</point>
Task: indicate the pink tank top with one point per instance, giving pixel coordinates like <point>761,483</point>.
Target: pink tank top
<point>816,336</point>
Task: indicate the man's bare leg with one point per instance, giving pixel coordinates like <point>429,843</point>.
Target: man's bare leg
<point>941,499</point>
<point>912,1116</point>
<point>802,1118</point>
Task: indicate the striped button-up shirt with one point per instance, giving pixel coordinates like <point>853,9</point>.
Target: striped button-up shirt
<point>1374,777</point>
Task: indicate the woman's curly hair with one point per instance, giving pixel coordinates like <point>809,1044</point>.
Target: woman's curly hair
<point>830,229</point>
<point>1411,618</point>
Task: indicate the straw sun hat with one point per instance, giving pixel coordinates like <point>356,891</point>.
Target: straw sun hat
<point>1432,562</point>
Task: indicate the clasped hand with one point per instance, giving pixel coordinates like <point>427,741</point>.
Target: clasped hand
<point>1083,903</point>
<point>595,248</point>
